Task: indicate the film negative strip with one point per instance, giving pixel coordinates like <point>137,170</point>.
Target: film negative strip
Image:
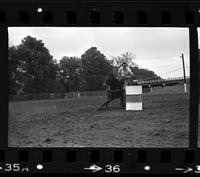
<point>63,64</point>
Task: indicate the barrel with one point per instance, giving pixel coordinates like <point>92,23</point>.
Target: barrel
<point>134,97</point>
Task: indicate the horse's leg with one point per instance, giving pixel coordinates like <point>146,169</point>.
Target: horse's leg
<point>109,102</point>
<point>122,92</point>
<point>122,98</point>
<point>106,104</point>
<point>102,106</point>
<point>122,95</point>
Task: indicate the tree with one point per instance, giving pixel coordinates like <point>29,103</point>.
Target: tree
<point>69,73</point>
<point>95,67</point>
<point>15,74</point>
<point>144,74</point>
<point>36,66</point>
<point>127,57</point>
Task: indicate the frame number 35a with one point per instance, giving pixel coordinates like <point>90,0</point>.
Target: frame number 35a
<point>112,169</point>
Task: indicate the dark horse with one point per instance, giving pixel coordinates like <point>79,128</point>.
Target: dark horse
<point>114,89</point>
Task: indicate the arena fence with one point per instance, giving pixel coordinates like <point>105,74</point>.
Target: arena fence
<point>55,95</point>
<point>145,90</point>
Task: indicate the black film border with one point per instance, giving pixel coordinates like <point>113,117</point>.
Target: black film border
<point>102,14</point>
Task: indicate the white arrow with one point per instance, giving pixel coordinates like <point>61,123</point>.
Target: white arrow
<point>94,168</point>
<point>189,169</point>
<point>185,170</point>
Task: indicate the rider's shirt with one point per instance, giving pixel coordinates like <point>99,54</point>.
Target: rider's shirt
<point>124,73</point>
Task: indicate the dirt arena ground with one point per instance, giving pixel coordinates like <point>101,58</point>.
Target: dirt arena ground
<point>164,122</point>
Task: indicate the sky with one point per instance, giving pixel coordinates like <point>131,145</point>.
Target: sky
<point>156,49</point>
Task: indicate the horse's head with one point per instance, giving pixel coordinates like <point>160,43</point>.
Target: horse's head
<point>106,81</point>
<point>111,81</point>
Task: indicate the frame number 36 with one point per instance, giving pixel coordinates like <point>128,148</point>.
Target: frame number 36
<point>110,169</point>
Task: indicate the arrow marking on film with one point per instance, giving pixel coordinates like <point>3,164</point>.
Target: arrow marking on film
<point>188,169</point>
<point>185,170</point>
<point>94,168</point>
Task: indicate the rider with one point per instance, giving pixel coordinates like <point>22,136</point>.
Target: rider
<point>125,74</point>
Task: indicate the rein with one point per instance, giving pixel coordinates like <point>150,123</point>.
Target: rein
<point>112,91</point>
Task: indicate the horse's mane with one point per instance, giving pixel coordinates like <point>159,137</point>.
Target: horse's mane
<point>113,82</point>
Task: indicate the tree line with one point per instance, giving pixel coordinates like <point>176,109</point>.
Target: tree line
<point>33,70</point>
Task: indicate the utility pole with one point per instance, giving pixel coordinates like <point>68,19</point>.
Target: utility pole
<point>185,86</point>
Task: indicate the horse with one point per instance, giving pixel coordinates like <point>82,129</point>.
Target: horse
<point>114,90</point>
